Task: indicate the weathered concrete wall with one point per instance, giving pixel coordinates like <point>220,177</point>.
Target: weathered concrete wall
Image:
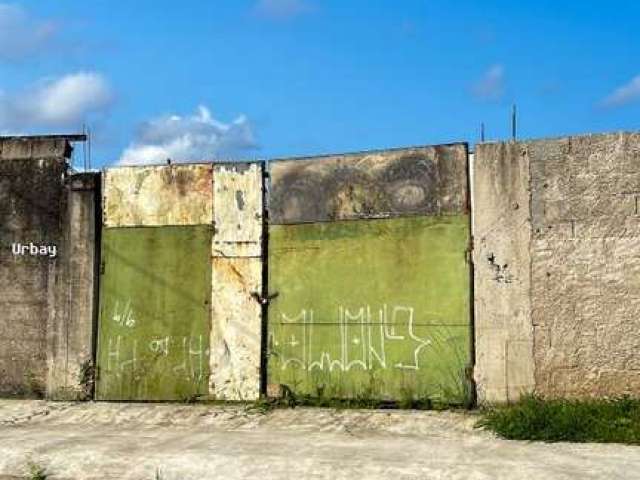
<point>571,292</point>
<point>45,296</point>
<point>32,203</point>
<point>70,337</point>
<point>502,261</point>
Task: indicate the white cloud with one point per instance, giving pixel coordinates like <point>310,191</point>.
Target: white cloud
<point>624,95</point>
<point>21,35</point>
<point>491,84</point>
<point>64,101</point>
<point>189,138</point>
<point>282,9</point>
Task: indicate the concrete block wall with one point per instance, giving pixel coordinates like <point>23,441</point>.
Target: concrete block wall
<point>44,328</point>
<point>557,257</point>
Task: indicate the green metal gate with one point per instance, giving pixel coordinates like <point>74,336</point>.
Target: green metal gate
<point>154,316</point>
<point>369,271</point>
<point>154,324</point>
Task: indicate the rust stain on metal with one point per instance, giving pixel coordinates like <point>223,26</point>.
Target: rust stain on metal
<point>236,328</point>
<point>237,214</point>
<point>429,180</point>
<point>158,195</point>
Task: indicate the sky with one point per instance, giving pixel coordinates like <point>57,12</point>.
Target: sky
<point>265,79</point>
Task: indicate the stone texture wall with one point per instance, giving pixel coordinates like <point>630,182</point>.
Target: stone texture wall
<point>568,261</point>
<point>585,269</point>
<point>41,295</point>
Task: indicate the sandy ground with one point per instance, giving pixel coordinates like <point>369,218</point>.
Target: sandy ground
<point>185,442</point>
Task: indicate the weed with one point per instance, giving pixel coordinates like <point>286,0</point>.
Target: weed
<point>561,420</point>
<point>263,405</point>
<point>87,380</point>
<point>37,472</point>
<point>34,385</point>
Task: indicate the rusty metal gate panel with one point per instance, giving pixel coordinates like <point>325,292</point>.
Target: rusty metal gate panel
<point>368,258</point>
<point>429,180</point>
<point>158,195</point>
<point>154,317</point>
<point>236,322</point>
<point>236,328</point>
<point>238,210</point>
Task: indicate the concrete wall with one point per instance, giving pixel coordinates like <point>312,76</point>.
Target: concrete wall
<point>45,299</point>
<point>556,259</point>
<point>502,238</point>
<point>563,280</point>
<point>70,336</point>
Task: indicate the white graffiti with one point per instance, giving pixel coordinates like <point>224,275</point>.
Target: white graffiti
<point>160,346</point>
<point>124,317</point>
<point>192,358</point>
<point>363,339</point>
<point>188,354</point>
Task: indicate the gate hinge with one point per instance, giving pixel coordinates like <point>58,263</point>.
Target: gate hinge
<point>263,300</point>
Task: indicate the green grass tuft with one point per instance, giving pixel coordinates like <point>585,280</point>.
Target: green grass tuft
<point>532,418</point>
<point>36,472</point>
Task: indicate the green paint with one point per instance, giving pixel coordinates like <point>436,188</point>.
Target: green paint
<point>362,303</point>
<point>154,316</point>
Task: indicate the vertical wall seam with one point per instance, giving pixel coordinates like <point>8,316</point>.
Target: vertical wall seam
<point>97,266</point>
<point>264,306</point>
<point>69,281</point>
<point>527,157</point>
<point>473,391</point>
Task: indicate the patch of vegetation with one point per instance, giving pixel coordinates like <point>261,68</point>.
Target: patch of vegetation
<point>35,388</point>
<point>533,418</point>
<point>87,380</point>
<point>37,472</point>
<point>365,400</point>
<point>264,405</point>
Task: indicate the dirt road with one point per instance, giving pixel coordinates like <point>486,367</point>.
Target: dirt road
<point>177,442</point>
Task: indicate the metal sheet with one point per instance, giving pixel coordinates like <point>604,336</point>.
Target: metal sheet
<point>428,180</point>
<point>154,314</point>
<point>236,328</point>
<point>238,210</point>
<point>371,308</point>
<point>158,195</point>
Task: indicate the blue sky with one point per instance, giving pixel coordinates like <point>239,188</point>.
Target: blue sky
<point>196,80</point>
